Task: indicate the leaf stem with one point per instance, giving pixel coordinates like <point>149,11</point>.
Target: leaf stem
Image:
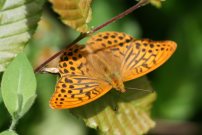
<point>13,124</point>
<point>83,35</point>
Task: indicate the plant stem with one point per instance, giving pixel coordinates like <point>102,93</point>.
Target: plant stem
<point>13,123</point>
<point>38,69</point>
<point>83,35</point>
<point>121,15</point>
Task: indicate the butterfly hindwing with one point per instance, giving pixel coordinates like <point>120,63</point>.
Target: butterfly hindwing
<point>76,90</point>
<point>143,56</point>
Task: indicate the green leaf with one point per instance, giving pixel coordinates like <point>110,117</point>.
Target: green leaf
<point>0,96</point>
<point>28,104</point>
<point>124,114</point>
<point>18,86</point>
<point>8,133</point>
<point>18,21</point>
<point>2,3</point>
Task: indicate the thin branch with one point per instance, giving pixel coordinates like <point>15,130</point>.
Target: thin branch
<point>121,15</point>
<point>83,35</point>
<point>38,69</point>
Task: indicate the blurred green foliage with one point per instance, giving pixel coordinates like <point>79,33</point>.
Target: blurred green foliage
<point>178,82</point>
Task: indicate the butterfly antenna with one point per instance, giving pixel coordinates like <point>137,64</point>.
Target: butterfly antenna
<point>139,89</point>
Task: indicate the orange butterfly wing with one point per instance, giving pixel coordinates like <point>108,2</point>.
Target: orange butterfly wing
<point>138,57</point>
<point>144,56</point>
<point>72,61</point>
<point>112,42</point>
<point>76,87</point>
<point>76,90</point>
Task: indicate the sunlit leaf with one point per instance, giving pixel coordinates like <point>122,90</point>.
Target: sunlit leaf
<point>75,13</point>
<point>18,86</point>
<point>120,113</point>
<point>18,21</point>
<point>156,3</point>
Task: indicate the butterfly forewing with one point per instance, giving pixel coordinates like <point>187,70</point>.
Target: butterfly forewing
<point>72,61</point>
<point>76,90</point>
<point>143,56</point>
<point>112,42</point>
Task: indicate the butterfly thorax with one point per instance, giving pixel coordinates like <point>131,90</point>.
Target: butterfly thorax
<point>105,66</point>
<point>116,82</point>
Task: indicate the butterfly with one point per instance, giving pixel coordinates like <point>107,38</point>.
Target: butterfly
<point>107,61</point>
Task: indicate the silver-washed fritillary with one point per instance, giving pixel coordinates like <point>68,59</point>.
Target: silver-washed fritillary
<point>108,60</point>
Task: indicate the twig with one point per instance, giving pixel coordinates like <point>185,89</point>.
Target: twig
<point>83,35</point>
<point>169,127</point>
<point>121,15</point>
<point>38,69</point>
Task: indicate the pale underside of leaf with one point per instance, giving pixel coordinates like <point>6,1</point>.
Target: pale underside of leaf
<point>74,13</point>
<point>120,114</point>
<point>18,21</point>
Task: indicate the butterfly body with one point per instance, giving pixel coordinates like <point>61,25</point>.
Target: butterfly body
<point>104,64</point>
<point>117,83</point>
<point>107,61</point>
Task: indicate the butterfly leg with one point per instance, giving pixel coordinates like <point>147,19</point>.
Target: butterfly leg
<point>114,100</point>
